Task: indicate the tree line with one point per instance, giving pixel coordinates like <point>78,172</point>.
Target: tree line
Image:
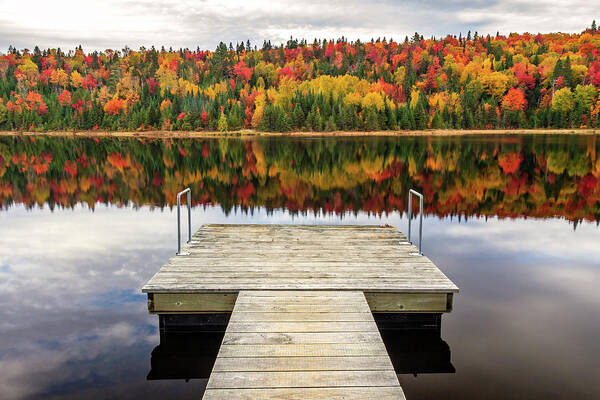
<point>471,82</point>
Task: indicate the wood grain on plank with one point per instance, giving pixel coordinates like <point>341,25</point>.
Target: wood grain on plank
<point>231,258</point>
<point>302,350</point>
<point>344,363</point>
<point>300,337</point>
<point>353,393</point>
<point>286,379</point>
<point>301,326</point>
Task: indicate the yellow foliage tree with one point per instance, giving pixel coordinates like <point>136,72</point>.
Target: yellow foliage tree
<point>259,103</point>
<point>372,99</point>
<point>585,95</point>
<point>353,98</point>
<point>563,100</point>
<point>414,97</point>
<point>299,66</point>
<point>167,78</point>
<point>285,93</point>
<point>59,77</point>
<point>399,75</point>
<point>76,79</point>
<point>578,71</point>
<point>495,84</point>
<point>222,123</point>
<point>267,72</point>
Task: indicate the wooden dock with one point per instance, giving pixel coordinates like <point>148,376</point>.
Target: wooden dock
<point>301,300</point>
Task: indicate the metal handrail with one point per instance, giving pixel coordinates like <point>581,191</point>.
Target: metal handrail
<point>189,207</point>
<point>420,196</point>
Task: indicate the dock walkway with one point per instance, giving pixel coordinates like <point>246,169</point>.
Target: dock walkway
<point>302,345</point>
<point>301,300</point>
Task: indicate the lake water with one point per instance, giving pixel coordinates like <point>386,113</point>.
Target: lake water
<point>513,221</point>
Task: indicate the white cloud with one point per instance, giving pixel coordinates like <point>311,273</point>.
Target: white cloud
<point>186,23</point>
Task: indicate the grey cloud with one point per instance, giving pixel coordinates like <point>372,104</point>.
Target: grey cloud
<point>205,24</point>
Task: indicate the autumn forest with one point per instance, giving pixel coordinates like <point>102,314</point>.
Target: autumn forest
<point>514,177</point>
<point>457,82</point>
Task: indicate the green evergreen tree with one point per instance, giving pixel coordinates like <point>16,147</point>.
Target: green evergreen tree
<point>436,121</point>
<point>298,117</point>
<point>331,126</point>
<point>404,120</point>
<point>420,118</point>
<point>316,119</point>
<point>469,120</point>
<point>371,122</point>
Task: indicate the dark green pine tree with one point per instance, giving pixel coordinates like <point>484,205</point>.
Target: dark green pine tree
<point>436,121</point>
<point>115,75</point>
<point>405,119</point>
<point>558,70</point>
<point>331,125</point>
<point>390,116</point>
<point>567,72</point>
<point>469,120</point>
<point>315,124</point>
<point>576,115</point>
<point>420,117</point>
<point>298,117</point>
<point>309,121</point>
<point>371,122</point>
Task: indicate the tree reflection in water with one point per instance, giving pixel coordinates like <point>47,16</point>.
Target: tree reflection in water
<point>506,176</point>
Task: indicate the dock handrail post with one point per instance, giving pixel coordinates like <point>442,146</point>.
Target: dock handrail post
<point>409,213</point>
<point>189,199</point>
<point>189,207</point>
<point>412,192</point>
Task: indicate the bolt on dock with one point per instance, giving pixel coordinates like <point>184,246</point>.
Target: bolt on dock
<point>301,299</point>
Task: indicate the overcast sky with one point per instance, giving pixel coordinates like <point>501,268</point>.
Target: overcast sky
<point>98,25</point>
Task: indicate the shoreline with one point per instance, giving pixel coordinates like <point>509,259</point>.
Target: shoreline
<point>252,133</point>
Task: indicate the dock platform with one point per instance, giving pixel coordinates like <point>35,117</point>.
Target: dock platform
<point>301,299</point>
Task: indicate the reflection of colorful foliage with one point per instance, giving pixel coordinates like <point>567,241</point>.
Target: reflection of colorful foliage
<point>534,176</point>
<point>510,162</point>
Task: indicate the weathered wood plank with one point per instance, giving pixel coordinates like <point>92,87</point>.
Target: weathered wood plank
<point>342,281</point>
<point>300,338</point>
<point>344,363</point>
<point>309,227</point>
<point>238,316</point>
<point>300,379</point>
<point>301,327</point>
<point>407,302</point>
<point>399,287</point>
<point>298,294</point>
<point>369,285</point>
<point>303,350</point>
<point>346,393</point>
<point>349,252</point>
<point>230,264</point>
<point>337,308</point>
<point>202,276</point>
<point>186,302</point>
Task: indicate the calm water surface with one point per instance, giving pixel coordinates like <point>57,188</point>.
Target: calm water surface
<point>513,221</point>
